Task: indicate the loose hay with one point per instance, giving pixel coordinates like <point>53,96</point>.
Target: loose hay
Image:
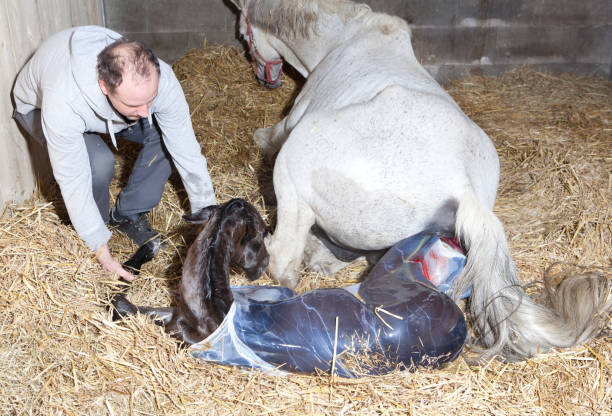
<point>60,353</point>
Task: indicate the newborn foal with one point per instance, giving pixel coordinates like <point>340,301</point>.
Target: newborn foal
<point>231,234</point>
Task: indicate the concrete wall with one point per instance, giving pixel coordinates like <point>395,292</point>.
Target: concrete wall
<point>23,26</point>
<point>172,27</point>
<point>451,37</point>
<point>457,37</point>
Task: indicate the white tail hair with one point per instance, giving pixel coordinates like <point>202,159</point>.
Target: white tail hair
<point>507,321</point>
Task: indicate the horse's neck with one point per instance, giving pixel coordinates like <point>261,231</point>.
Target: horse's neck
<point>306,54</point>
<point>332,33</point>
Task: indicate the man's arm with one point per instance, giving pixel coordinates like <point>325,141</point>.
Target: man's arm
<point>172,114</point>
<point>63,131</point>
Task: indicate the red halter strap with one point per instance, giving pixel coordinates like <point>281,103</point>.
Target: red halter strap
<point>255,55</point>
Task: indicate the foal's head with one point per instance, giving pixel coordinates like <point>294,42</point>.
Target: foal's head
<point>231,234</point>
<point>234,235</point>
<point>250,253</point>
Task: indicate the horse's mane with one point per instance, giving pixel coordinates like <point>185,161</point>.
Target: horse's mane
<point>299,17</point>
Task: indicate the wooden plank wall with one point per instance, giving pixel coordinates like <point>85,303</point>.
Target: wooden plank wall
<point>24,24</point>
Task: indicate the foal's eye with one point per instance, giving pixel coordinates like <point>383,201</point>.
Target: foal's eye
<point>255,247</point>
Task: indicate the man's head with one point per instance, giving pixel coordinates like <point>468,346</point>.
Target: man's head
<point>128,74</point>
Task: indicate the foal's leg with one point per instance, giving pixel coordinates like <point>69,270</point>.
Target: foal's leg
<point>295,218</point>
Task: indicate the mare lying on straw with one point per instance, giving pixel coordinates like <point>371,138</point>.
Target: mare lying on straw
<point>374,150</point>
<point>232,234</point>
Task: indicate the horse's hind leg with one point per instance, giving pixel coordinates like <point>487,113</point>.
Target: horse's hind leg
<point>295,218</point>
<point>319,258</point>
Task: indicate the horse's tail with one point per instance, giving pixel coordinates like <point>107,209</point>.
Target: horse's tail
<point>506,320</point>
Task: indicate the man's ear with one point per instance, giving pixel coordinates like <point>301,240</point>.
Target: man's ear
<point>103,87</point>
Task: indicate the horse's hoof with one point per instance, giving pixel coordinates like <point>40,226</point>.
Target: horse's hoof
<point>288,282</point>
<point>327,268</point>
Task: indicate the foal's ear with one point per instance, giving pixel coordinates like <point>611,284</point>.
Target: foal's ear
<point>203,215</point>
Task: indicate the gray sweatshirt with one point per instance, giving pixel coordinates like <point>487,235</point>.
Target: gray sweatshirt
<point>61,79</point>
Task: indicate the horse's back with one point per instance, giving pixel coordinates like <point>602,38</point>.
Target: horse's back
<point>360,70</point>
<point>378,171</point>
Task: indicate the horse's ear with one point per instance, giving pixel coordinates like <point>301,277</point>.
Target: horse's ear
<point>217,280</point>
<point>201,216</point>
<point>238,3</point>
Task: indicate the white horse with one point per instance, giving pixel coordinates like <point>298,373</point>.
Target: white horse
<point>374,150</point>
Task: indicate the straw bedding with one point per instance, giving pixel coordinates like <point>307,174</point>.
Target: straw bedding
<point>60,352</point>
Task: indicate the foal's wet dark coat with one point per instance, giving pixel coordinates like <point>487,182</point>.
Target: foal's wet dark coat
<point>231,234</point>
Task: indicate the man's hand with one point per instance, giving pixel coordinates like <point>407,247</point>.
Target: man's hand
<point>110,265</point>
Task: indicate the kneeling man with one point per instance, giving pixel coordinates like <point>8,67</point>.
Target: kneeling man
<point>89,80</point>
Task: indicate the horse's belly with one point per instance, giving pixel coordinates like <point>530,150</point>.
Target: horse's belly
<point>373,219</point>
<point>376,172</point>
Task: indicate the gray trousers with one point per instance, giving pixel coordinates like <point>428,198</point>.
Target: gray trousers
<point>147,179</point>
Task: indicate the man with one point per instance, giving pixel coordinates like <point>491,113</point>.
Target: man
<point>89,80</point>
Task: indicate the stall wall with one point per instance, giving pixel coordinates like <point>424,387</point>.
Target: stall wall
<point>24,24</point>
<point>453,38</point>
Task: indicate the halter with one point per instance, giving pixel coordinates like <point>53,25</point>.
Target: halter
<point>257,57</point>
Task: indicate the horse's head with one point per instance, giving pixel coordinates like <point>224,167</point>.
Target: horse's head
<point>300,31</point>
<point>267,62</point>
<point>231,233</point>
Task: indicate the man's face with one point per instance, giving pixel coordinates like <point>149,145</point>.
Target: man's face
<point>134,97</point>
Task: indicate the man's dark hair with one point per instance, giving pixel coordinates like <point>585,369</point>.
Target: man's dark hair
<point>122,53</point>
